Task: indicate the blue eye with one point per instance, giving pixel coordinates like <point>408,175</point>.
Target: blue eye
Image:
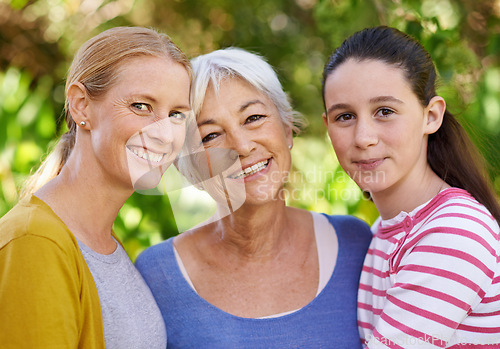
<point>143,107</point>
<point>177,115</point>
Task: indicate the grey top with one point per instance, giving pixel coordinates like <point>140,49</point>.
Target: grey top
<point>131,317</point>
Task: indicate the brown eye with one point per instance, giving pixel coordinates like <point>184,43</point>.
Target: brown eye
<point>253,118</point>
<point>344,117</point>
<point>209,137</point>
<point>385,112</point>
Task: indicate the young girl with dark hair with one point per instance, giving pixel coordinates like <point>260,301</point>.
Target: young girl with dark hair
<point>431,277</point>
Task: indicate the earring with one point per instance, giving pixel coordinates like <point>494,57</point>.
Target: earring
<point>83,123</point>
<point>289,146</point>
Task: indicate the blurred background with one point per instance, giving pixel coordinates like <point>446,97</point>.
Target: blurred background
<point>38,39</point>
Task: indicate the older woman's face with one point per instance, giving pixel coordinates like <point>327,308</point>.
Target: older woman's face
<point>138,126</point>
<point>241,118</point>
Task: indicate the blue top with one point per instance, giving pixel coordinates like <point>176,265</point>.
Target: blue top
<point>328,321</point>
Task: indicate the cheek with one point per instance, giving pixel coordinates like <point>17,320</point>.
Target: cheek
<point>400,140</point>
<point>179,136</point>
<point>105,144</point>
<point>339,140</point>
<point>287,164</point>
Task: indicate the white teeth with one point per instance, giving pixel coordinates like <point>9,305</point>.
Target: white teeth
<point>146,155</point>
<point>251,169</point>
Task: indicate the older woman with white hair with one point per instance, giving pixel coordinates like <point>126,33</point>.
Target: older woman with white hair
<point>266,275</point>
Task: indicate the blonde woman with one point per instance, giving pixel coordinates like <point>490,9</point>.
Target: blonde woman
<point>65,280</point>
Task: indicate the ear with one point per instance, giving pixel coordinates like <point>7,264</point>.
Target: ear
<point>289,136</point>
<point>325,120</point>
<point>434,113</point>
<point>78,103</point>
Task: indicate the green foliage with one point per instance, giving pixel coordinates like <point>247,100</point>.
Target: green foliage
<point>27,127</point>
<point>296,36</point>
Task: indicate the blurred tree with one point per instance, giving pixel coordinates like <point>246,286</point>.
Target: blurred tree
<point>38,39</point>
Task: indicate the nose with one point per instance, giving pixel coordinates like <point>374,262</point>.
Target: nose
<point>365,134</point>
<point>160,131</point>
<point>240,141</point>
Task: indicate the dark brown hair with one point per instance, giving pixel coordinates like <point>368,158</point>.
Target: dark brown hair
<point>450,152</point>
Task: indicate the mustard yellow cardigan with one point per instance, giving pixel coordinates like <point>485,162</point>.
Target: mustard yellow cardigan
<point>48,298</point>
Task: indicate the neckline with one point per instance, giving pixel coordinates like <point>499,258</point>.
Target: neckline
<point>112,258</point>
<point>193,293</point>
<point>386,225</point>
<point>35,200</point>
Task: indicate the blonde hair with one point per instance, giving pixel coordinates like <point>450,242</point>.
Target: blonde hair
<point>95,66</point>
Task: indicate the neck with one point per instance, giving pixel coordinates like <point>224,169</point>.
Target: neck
<point>409,193</point>
<point>86,202</point>
<point>256,231</point>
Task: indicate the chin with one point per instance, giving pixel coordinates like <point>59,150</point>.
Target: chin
<point>148,180</point>
<point>264,194</point>
<point>371,181</point>
<point>374,189</point>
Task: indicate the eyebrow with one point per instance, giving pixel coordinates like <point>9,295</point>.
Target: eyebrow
<point>337,106</point>
<point>142,96</point>
<point>247,104</point>
<point>206,122</point>
<point>377,99</point>
<point>181,107</point>
<point>242,108</point>
<point>386,99</point>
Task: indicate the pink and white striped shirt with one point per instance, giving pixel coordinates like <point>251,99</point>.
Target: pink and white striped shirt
<point>431,278</point>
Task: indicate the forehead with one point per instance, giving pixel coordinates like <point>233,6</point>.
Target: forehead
<point>151,74</point>
<point>132,67</point>
<point>233,94</point>
<point>366,69</point>
<point>366,77</point>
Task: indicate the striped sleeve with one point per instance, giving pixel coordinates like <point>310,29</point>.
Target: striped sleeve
<point>441,281</point>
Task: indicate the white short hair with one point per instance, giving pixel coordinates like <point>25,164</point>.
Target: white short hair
<point>233,62</point>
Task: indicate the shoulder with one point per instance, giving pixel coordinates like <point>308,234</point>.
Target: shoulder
<point>350,224</point>
<point>455,208</point>
<point>455,223</point>
<point>158,267</point>
<point>351,230</point>
<point>155,254</point>
<point>32,240</point>
<point>453,199</point>
<point>32,219</point>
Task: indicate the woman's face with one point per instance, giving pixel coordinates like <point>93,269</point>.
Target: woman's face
<point>246,121</point>
<point>377,125</point>
<point>138,126</point>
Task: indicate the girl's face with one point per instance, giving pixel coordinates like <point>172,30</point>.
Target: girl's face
<point>138,127</point>
<point>246,121</point>
<point>377,125</point>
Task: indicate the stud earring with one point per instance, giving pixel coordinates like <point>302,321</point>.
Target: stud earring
<point>83,123</point>
<point>289,146</point>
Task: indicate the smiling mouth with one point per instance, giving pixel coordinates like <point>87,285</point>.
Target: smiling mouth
<point>250,170</point>
<point>147,154</point>
<point>369,164</point>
